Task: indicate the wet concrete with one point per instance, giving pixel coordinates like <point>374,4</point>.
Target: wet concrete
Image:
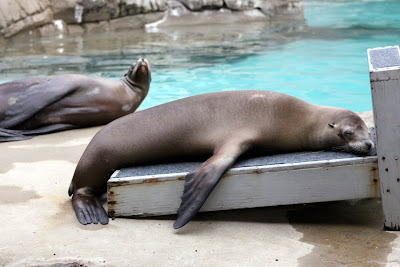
<point>348,234</point>
<point>16,194</point>
<point>47,147</point>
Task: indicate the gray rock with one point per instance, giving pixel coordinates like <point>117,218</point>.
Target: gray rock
<point>64,10</point>
<point>134,7</point>
<point>100,13</point>
<point>31,7</point>
<point>268,7</point>
<point>202,4</point>
<point>48,30</point>
<point>93,4</point>
<point>119,24</point>
<point>11,11</point>
<point>3,21</point>
<point>19,15</point>
<point>101,10</point>
<point>280,7</point>
<point>39,19</point>
<point>103,26</point>
<point>240,4</point>
<point>93,11</point>
<point>179,15</point>
<point>74,29</point>
<point>153,17</point>
<point>127,23</point>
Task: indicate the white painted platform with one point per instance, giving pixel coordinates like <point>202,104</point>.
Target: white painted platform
<point>249,187</point>
<point>384,68</point>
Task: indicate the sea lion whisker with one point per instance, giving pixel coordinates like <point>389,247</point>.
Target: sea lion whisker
<point>340,149</point>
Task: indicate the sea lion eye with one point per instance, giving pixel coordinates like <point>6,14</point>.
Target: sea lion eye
<point>332,125</point>
<point>346,133</point>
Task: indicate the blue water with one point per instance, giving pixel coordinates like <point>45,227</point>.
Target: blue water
<point>325,63</point>
<point>321,60</point>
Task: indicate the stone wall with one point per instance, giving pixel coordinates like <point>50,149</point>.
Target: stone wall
<point>20,15</point>
<point>17,16</point>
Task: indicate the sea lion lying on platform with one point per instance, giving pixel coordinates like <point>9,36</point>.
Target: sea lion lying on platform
<point>46,104</point>
<point>222,125</point>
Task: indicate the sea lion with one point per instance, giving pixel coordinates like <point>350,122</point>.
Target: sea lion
<point>222,125</point>
<point>47,104</point>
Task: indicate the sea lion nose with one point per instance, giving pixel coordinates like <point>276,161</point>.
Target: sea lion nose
<point>369,144</point>
<point>142,61</point>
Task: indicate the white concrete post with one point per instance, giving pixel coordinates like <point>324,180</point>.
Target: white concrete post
<point>384,68</point>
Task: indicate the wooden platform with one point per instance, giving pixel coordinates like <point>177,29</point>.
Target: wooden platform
<point>384,73</point>
<point>291,178</point>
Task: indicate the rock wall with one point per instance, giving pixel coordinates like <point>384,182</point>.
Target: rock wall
<point>101,10</point>
<point>17,16</point>
<point>20,15</point>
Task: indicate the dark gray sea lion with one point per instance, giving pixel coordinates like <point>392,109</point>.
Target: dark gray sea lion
<point>222,125</point>
<point>47,104</point>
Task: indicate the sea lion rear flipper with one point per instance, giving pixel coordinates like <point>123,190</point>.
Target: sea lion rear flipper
<point>202,181</point>
<point>7,135</point>
<point>32,98</point>
<point>51,128</point>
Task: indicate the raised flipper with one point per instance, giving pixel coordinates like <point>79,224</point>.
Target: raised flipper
<point>31,96</point>
<point>202,181</point>
<point>87,206</point>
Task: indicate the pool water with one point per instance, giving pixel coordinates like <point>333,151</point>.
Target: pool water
<point>321,60</point>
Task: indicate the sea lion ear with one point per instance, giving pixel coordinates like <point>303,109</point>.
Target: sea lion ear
<point>129,72</point>
<point>332,125</point>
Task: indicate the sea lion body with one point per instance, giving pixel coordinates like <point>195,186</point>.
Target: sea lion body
<point>52,103</point>
<point>222,125</point>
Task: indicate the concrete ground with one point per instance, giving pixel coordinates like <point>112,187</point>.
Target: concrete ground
<point>38,225</point>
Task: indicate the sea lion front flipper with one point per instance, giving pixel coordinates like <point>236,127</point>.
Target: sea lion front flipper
<point>202,181</point>
<point>32,98</point>
<point>88,208</point>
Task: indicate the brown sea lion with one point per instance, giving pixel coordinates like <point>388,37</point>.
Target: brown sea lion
<point>222,125</point>
<point>47,104</point>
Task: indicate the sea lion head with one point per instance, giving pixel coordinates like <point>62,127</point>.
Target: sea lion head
<point>139,74</point>
<point>346,131</point>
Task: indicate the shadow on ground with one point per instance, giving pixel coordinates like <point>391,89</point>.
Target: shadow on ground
<point>342,232</point>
